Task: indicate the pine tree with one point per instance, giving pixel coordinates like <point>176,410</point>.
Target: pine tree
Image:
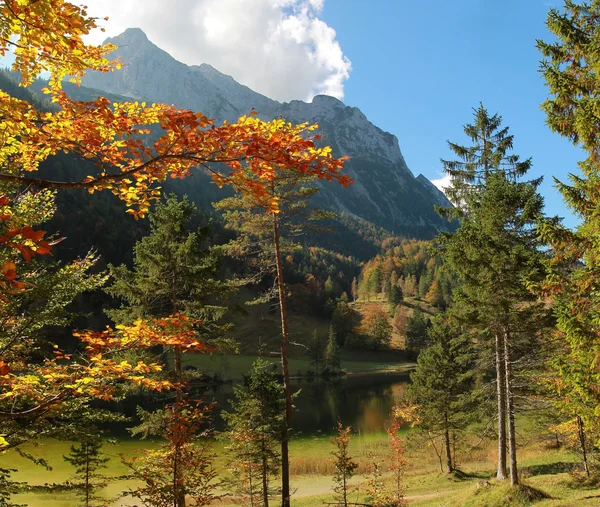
<point>332,352</point>
<point>342,321</point>
<point>569,68</point>
<point>394,297</point>
<point>441,384</point>
<point>254,434</point>
<point>316,353</point>
<point>496,253</point>
<point>87,458</point>
<point>265,236</point>
<point>416,330</point>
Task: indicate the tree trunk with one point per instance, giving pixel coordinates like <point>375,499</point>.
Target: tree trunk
<point>449,467</point>
<point>581,435</point>
<point>285,464</point>
<point>501,395</point>
<point>178,494</point>
<point>87,482</point>
<point>510,408</point>
<point>265,479</point>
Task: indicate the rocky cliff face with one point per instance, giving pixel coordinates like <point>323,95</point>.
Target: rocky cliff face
<point>385,190</point>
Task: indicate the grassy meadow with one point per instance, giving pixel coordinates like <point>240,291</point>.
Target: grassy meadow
<point>543,469</point>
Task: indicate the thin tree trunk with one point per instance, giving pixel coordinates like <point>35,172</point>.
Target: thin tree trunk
<point>285,464</point>
<point>449,466</point>
<point>87,482</point>
<point>510,408</point>
<point>178,494</point>
<point>265,480</point>
<point>501,395</point>
<point>581,435</point>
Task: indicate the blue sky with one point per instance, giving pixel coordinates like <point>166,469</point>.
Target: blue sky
<point>418,69</point>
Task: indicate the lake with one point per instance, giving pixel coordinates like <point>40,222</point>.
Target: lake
<point>363,401</point>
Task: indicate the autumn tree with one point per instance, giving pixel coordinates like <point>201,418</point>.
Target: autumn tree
<point>434,295</point>
<point>569,69</point>
<point>400,320</point>
<point>87,458</point>
<point>181,468</point>
<point>36,300</point>
<point>401,416</point>
<point>376,327</point>
<point>254,434</point>
<point>263,239</point>
<point>344,463</point>
<point>354,290</point>
<point>496,254</point>
<point>47,36</point>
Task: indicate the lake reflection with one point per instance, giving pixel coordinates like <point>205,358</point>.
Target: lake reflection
<point>363,401</point>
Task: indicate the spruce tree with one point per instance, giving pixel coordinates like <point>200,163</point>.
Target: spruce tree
<point>253,435</point>
<point>570,69</point>
<point>332,352</point>
<point>441,384</point>
<point>394,297</point>
<point>316,353</point>
<point>416,330</point>
<point>87,458</point>
<point>496,253</point>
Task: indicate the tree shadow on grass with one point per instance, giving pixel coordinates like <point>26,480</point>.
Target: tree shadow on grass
<point>550,468</point>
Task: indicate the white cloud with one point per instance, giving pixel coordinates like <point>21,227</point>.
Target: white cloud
<point>277,47</point>
<point>442,183</point>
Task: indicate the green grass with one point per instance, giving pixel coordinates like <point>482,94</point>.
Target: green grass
<point>542,470</point>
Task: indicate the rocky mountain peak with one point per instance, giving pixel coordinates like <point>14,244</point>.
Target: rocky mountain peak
<point>385,190</point>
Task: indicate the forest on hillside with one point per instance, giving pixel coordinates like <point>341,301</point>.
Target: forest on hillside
<point>356,367</point>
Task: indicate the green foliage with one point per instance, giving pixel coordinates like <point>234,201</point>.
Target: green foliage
<point>343,321</point>
<point>174,271</point>
<point>332,352</point>
<point>570,70</point>
<point>441,386</point>
<point>87,458</point>
<point>496,254</point>
<point>394,296</point>
<point>344,464</point>
<point>316,353</point>
<point>254,430</point>
<point>417,326</point>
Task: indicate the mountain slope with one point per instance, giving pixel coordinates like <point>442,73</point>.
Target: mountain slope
<point>385,191</point>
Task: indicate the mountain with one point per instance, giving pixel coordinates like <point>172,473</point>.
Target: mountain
<point>385,191</point>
